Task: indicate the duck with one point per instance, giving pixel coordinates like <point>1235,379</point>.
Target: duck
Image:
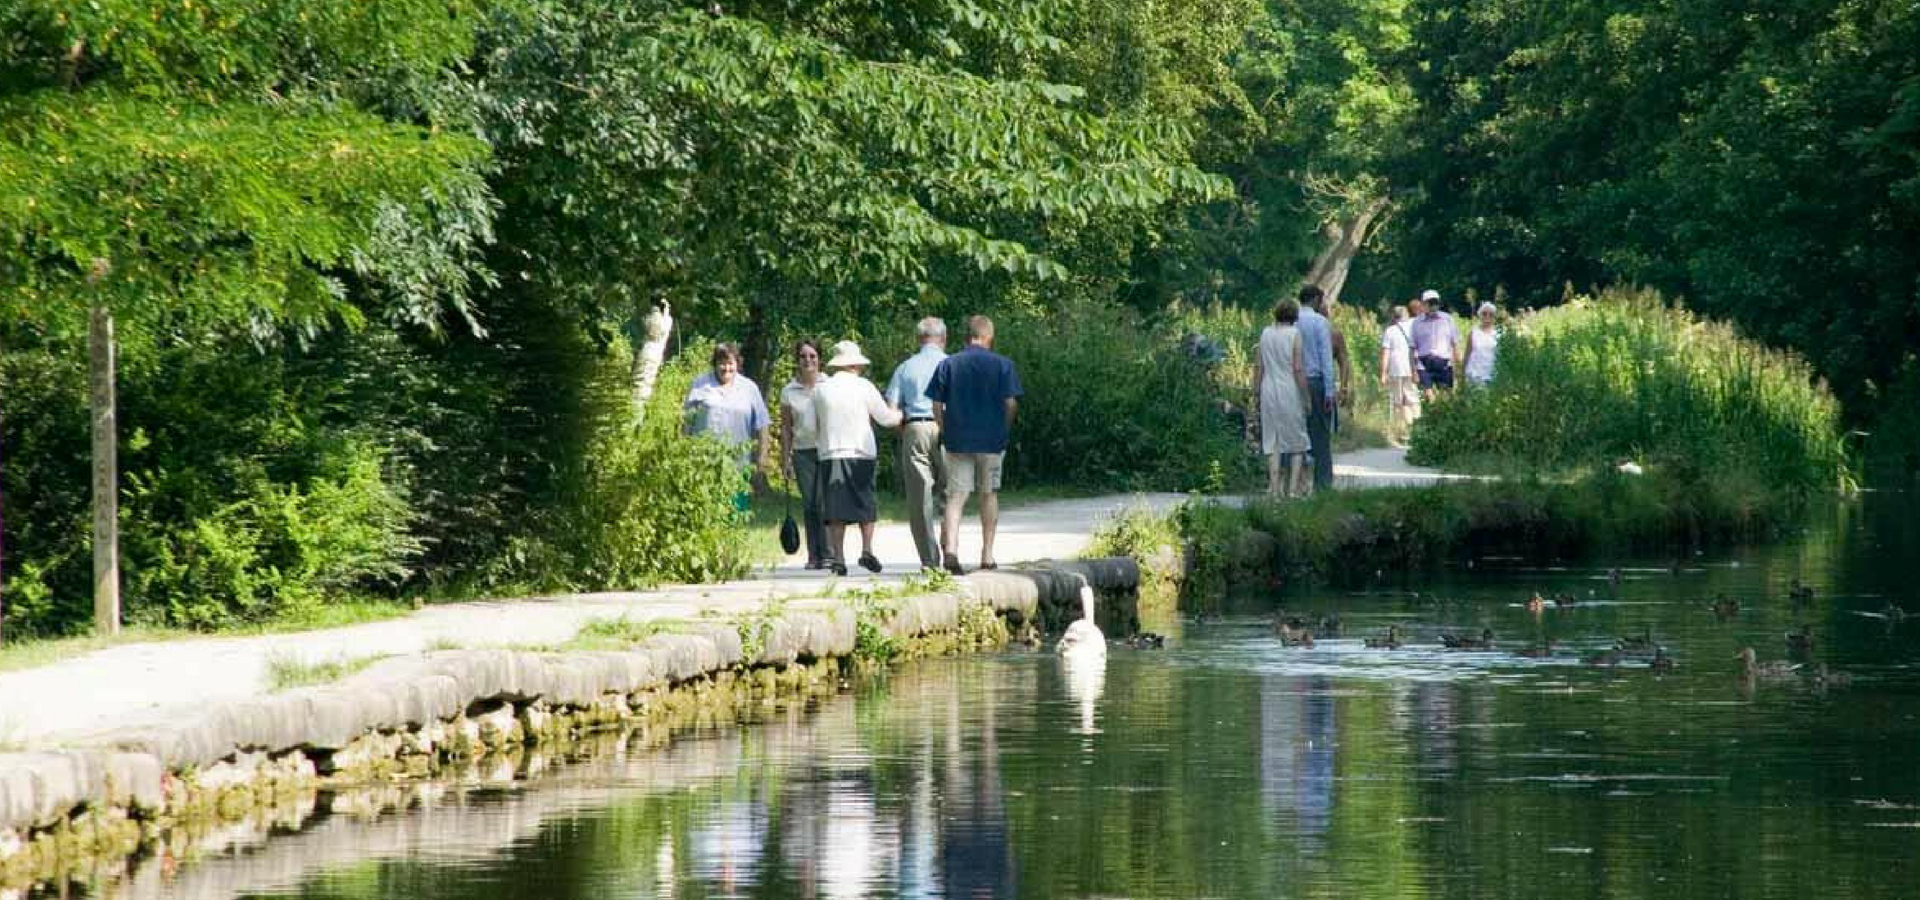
<point>1330,626</point>
<point>1482,641</point>
<point>1565,601</point>
<point>1536,604</point>
<point>1614,576</point>
<point>1608,657</point>
<point>1389,641</point>
<point>1800,642</point>
<point>1771,670</point>
<point>1822,678</point>
<point>1640,643</point>
<point>1026,637</point>
<point>1147,640</point>
<point>1083,639</point>
<point>1894,612</point>
<point>1724,607</point>
<point>1660,662</point>
<point>1293,636</point>
<point>1800,593</point>
<point>1541,650</point>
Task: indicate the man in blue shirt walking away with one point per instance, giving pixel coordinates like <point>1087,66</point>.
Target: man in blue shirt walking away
<point>1316,353</point>
<point>923,464</point>
<point>975,394</point>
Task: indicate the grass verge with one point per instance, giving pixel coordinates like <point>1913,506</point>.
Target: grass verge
<point>286,672</point>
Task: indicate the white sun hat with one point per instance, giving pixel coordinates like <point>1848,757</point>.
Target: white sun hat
<point>847,353</point>
<point>1429,294</point>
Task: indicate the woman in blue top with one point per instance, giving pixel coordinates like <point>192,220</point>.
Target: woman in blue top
<point>729,406</point>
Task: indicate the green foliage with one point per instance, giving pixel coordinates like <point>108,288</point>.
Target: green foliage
<point>215,47</point>
<point>1893,447</point>
<point>285,673</point>
<point>1761,165</point>
<point>1115,403</point>
<point>791,165</point>
<point>635,506</point>
<point>234,512</point>
<point>1135,532</point>
<point>620,633</point>
<point>871,641</point>
<point>756,627</point>
<point>1627,377</point>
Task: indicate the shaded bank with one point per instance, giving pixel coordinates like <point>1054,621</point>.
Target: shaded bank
<point>1365,537</point>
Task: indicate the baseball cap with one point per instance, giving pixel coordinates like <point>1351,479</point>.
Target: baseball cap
<point>1429,294</point>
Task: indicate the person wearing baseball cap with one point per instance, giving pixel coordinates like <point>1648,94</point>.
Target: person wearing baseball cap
<point>1436,345</point>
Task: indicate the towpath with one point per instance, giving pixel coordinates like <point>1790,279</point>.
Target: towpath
<point>105,686</point>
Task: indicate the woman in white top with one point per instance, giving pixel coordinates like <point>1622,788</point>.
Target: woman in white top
<point>1396,375</point>
<point>799,436</point>
<point>1483,344</point>
<point>1280,389</point>
<point>846,406</point>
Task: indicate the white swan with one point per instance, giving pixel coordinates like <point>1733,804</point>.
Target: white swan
<point>1083,659</point>
<point>1083,638</point>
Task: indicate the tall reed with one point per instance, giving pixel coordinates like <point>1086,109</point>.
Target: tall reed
<point>1629,376</point>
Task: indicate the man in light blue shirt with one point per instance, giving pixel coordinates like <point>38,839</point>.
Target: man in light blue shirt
<point>923,465</point>
<point>1316,346</point>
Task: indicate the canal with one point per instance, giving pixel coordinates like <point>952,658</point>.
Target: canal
<point>1227,765</point>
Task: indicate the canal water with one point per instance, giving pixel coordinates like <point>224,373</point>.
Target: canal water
<point>1227,765</point>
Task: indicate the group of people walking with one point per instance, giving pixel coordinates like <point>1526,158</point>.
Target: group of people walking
<point>954,414</point>
<point>1301,370</point>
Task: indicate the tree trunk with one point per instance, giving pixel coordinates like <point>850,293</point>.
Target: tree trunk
<point>1345,237</point>
<point>106,491</point>
<point>648,356</point>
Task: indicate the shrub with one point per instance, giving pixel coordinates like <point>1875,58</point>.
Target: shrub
<point>1629,377</point>
<point>232,511</point>
<point>1113,404</point>
<point>639,505</point>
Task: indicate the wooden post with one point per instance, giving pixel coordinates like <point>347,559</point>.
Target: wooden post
<point>106,481</point>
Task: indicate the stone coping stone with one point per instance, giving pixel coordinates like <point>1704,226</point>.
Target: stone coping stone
<point>124,764</point>
<point>42,789</point>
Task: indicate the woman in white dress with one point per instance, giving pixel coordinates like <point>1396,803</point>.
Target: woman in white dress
<point>1280,384</point>
<point>1483,343</point>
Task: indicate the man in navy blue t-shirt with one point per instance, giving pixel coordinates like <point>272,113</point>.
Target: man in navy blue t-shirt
<point>975,393</point>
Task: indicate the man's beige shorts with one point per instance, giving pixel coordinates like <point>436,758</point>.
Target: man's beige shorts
<point>970,472</point>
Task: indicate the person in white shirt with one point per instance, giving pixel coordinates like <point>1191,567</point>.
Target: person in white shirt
<point>1396,375</point>
<point>800,441</point>
<point>846,406</point>
<point>1483,344</point>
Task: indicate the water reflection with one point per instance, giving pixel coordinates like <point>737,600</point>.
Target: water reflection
<point>1226,766</point>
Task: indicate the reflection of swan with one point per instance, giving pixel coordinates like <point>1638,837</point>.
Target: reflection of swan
<point>1083,638</point>
<point>1086,676</point>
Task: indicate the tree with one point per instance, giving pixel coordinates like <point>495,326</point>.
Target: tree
<point>780,163</point>
<point>1325,100</point>
<point>189,171</point>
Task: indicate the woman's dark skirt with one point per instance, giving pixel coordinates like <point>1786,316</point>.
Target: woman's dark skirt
<point>846,493</point>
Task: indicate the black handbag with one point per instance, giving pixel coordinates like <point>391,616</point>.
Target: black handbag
<point>790,531</point>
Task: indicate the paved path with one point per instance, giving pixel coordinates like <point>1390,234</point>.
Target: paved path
<point>104,686</point>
